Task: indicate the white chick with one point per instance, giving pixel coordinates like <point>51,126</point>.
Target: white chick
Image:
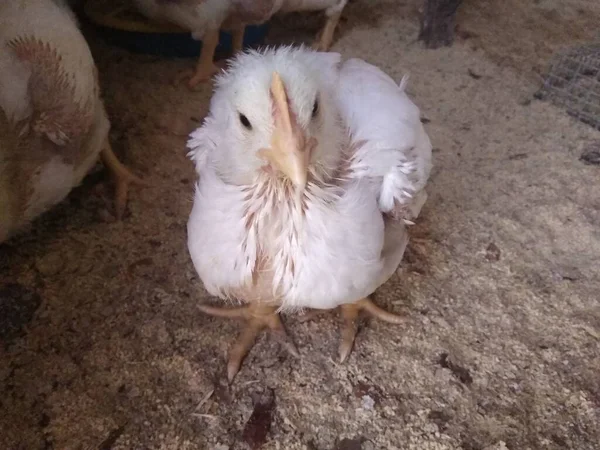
<point>53,125</point>
<point>309,171</point>
<point>205,18</point>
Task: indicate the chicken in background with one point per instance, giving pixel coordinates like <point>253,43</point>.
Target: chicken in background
<point>205,18</point>
<point>307,181</point>
<point>53,125</point>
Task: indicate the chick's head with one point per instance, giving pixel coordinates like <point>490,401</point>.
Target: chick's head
<point>278,116</point>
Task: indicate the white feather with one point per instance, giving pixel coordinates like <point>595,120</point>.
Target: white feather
<point>379,112</point>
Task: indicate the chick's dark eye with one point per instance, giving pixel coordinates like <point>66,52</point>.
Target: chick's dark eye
<point>315,109</point>
<point>244,120</point>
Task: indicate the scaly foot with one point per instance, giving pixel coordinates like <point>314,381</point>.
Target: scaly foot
<point>325,37</point>
<point>122,176</point>
<point>198,76</point>
<point>205,67</point>
<point>258,317</point>
<point>350,314</point>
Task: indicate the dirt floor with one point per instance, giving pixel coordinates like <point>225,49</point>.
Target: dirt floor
<point>105,347</point>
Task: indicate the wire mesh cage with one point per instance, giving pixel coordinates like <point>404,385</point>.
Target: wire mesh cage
<point>573,83</point>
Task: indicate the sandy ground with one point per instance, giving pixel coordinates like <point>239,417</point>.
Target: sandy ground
<point>105,347</point>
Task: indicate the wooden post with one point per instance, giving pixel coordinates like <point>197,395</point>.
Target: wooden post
<point>438,22</point>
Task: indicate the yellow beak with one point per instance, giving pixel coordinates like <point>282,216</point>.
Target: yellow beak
<point>288,152</point>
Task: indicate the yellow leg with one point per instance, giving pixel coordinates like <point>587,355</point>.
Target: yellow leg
<point>122,176</point>
<point>350,313</point>
<point>237,35</point>
<point>205,67</point>
<point>326,36</point>
<point>257,317</point>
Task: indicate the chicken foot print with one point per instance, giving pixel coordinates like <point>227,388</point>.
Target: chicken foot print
<point>326,35</point>
<point>122,176</point>
<point>258,317</point>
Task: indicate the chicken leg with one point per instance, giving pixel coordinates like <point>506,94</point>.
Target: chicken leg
<point>205,67</point>
<point>349,313</point>
<point>258,317</point>
<point>123,177</point>
<point>237,38</point>
<point>326,35</point>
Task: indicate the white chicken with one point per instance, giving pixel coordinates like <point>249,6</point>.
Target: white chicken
<point>53,125</point>
<point>205,18</point>
<point>309,171</point>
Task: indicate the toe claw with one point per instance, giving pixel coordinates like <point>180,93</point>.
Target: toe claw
<point>350,327</point>
<point>379,313</point>
<point>233,367</point>
<point>241,348</point>
<point>258,317</point>
<point>345,349</point>
<point>197,77</point>
<point>280,333</point>
<point>349,330</point>
<point>286,341</point>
